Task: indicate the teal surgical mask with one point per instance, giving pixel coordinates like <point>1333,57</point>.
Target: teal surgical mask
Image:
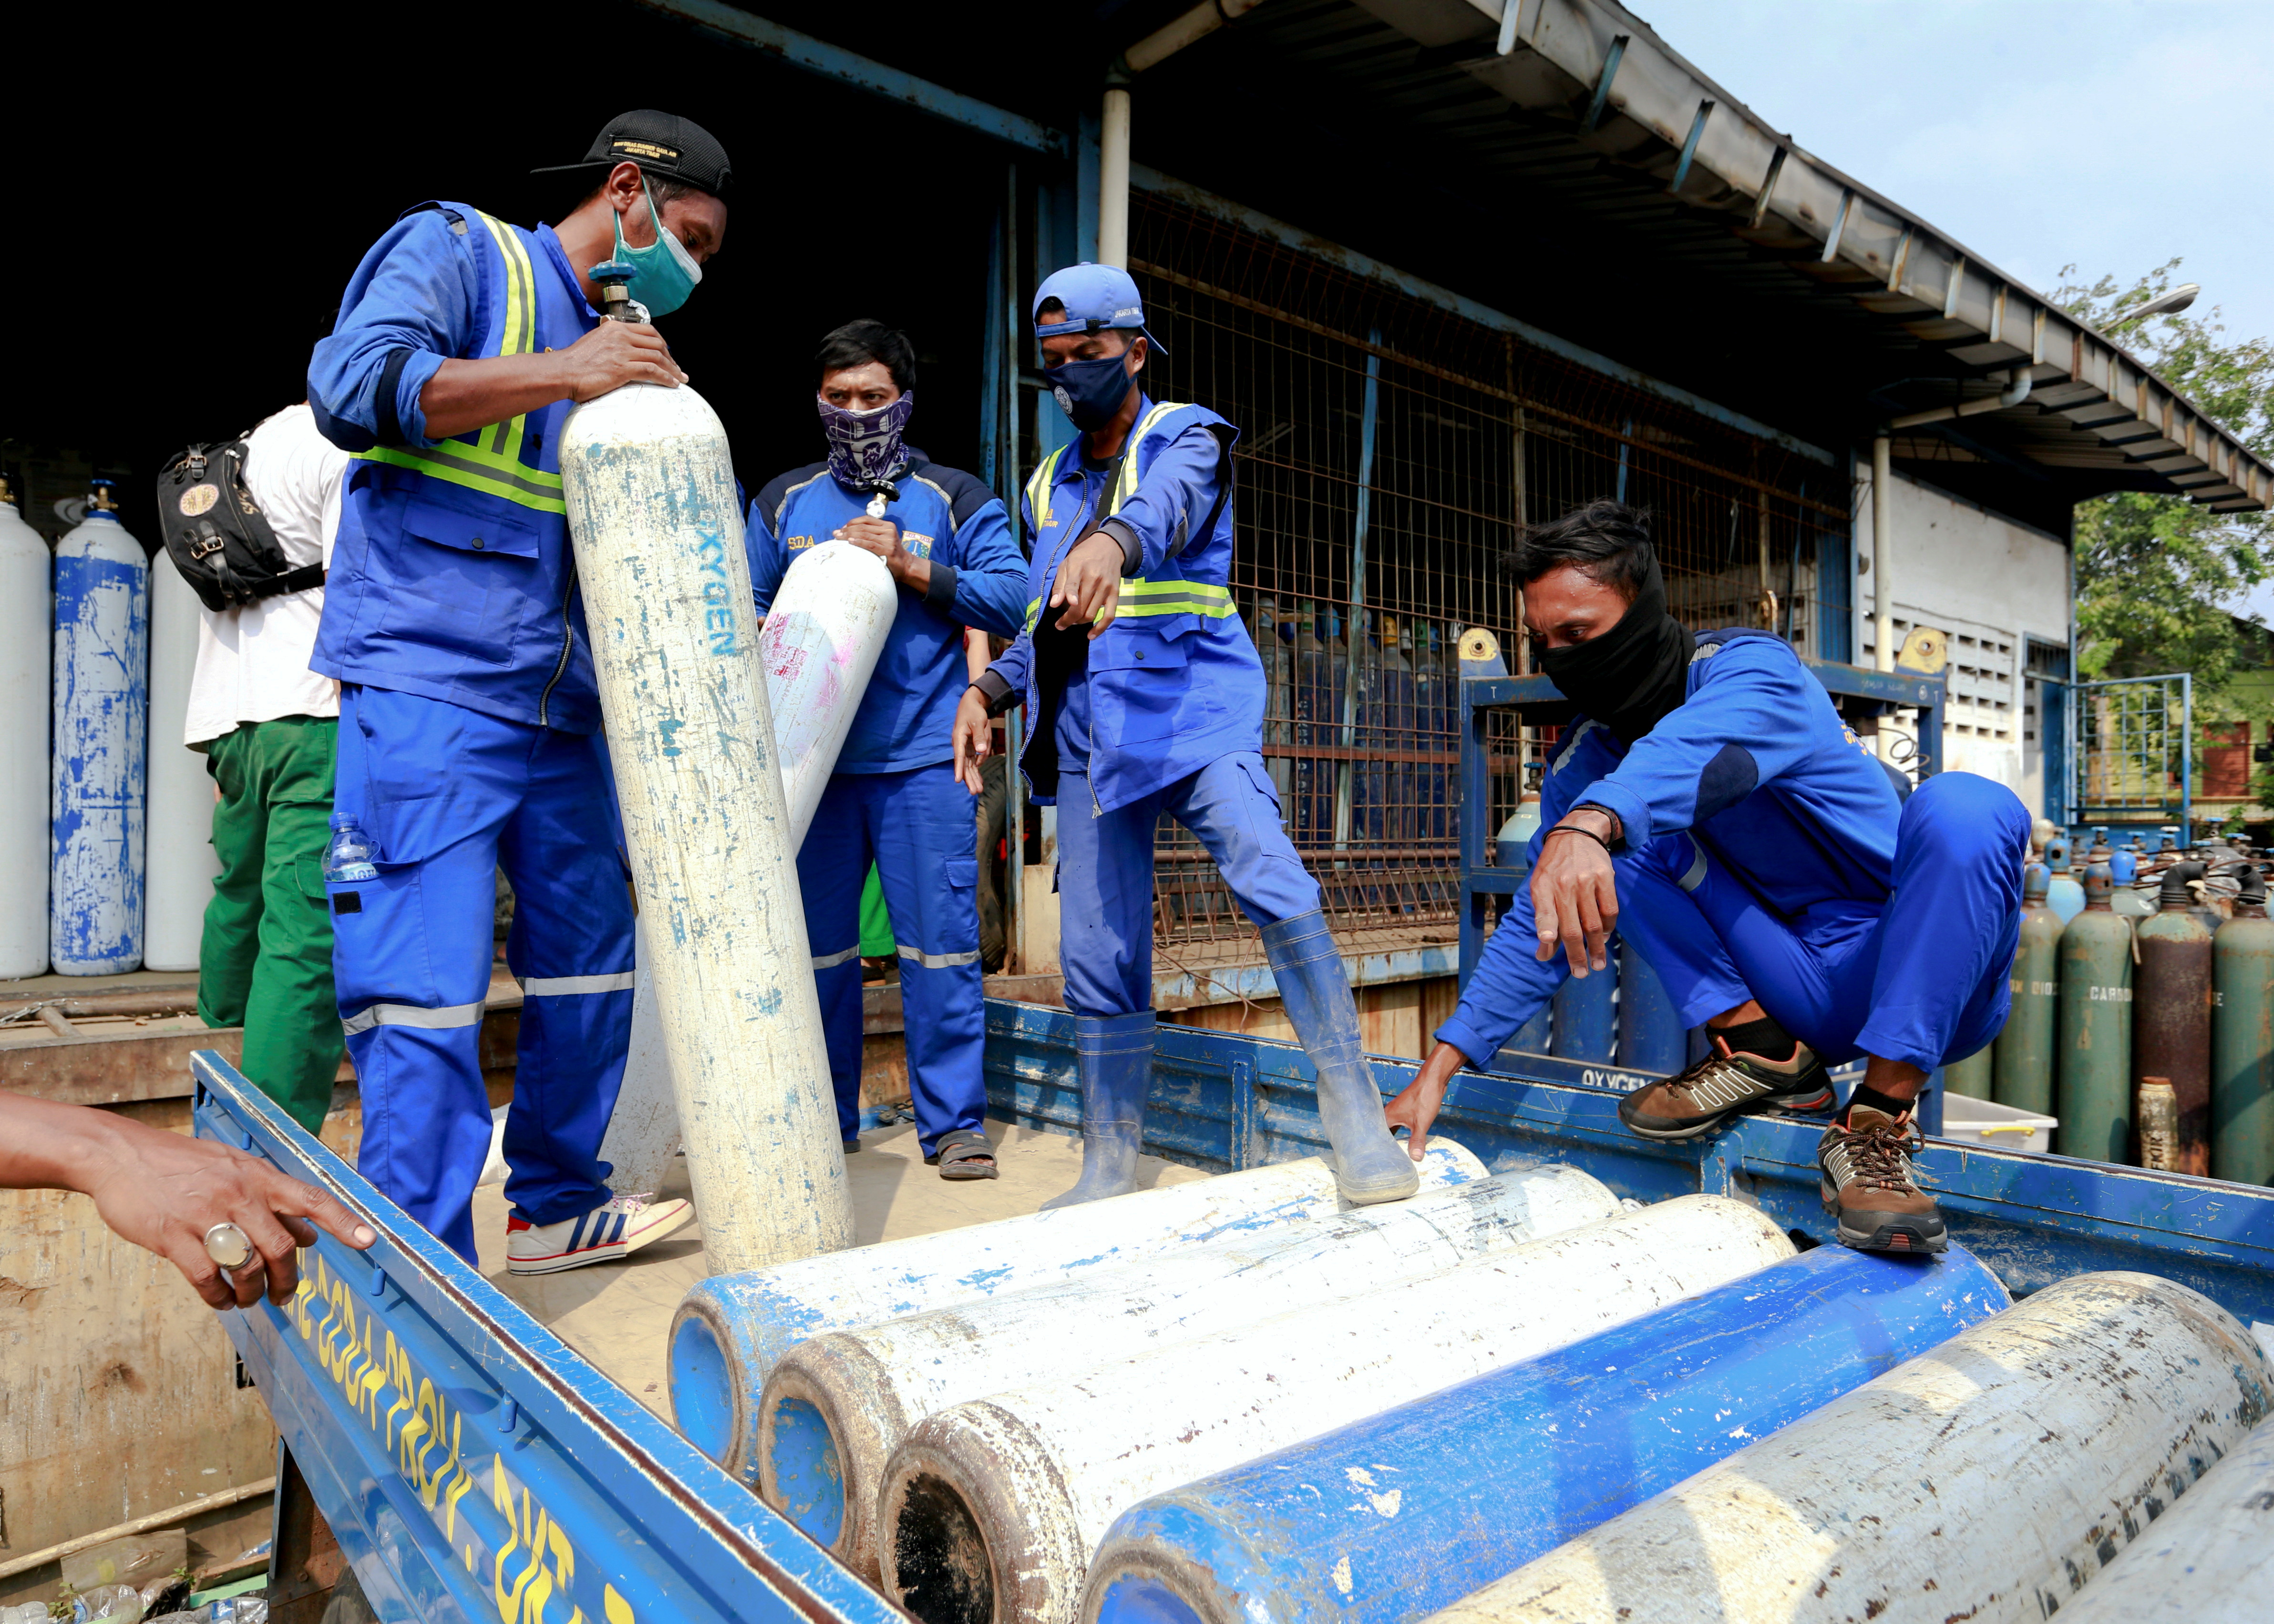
<point>664,272</point>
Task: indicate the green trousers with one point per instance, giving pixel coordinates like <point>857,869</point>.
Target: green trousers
<point>265,961</point>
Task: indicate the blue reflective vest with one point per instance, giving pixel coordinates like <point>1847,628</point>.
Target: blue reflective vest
<point>1174,683</point>
<point>453,577</point>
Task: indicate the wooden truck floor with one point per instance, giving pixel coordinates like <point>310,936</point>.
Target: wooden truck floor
<point>618,1315</point>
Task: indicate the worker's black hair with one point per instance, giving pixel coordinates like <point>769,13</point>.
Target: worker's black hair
<point>1608,542</point>
<point>662,189</point>
<point>858,342</point>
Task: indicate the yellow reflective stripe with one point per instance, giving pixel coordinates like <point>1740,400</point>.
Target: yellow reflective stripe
<point>1126,486</point>
<point>448,460</point>
<point>1141,596</point>
<point>520,330</point>
<point>1034,612</point>
<point>1038,488</point>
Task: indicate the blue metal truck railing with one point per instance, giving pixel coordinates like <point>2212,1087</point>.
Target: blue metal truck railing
<point>471,1464</point>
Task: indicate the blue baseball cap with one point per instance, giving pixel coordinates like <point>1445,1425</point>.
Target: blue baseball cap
<point>1094,296</point>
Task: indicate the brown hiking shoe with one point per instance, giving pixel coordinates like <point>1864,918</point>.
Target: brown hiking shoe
<point>1728,1083</point>
<point>1865,1164</point>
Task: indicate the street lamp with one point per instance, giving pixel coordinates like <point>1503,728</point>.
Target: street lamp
<point>2164,303</point>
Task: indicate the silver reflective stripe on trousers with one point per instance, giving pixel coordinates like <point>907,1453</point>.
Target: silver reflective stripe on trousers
<point>938,961</point>
<point>1695,875</point>
<point>412,1015</point>
<point>830,962</point>
<point>565,986</point>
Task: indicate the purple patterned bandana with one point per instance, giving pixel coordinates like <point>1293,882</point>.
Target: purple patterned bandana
<point>864,446</point>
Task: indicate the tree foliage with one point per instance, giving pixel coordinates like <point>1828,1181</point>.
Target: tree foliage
<point>2157,577</point>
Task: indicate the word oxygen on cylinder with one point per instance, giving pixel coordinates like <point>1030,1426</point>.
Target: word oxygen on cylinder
<point>656,522</point>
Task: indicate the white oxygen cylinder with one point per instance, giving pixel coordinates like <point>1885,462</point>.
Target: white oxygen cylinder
<point>101,737</point>
<point>823,635</point>
<point>27,635</point>
<point>182,862</point>
<point>819,649</point>
<point>642,1136</point>
<point>658,531</point>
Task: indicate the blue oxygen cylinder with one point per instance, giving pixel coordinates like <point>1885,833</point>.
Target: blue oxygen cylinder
<point>2063,895</point>
<point>1651,1037</point>
<point>1586,1012</point>
<point>2124,862</point>
<point>1406,1512</point>
<point>101,744</point>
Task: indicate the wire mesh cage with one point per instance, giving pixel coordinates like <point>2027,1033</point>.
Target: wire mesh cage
<point>1391,450</point>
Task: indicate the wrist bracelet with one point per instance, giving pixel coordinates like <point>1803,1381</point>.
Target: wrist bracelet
<point>1574,829</point>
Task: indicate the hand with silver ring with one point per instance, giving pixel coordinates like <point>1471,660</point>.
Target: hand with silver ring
<point>232,1222</point>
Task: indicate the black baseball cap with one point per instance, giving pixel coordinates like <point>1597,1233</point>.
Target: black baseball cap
<point>663,145</point>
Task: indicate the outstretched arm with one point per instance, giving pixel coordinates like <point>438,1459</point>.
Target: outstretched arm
<point>164,1191</point>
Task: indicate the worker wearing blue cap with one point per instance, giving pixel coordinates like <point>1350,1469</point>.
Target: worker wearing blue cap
<point>1143,696</point>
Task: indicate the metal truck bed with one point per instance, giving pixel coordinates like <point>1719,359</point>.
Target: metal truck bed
<point>475,1466</point>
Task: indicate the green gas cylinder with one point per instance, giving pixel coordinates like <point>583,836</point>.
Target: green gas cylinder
<point>2025,1047</point>
<point>2242,1040</point>
<point>2171,1008</point>
<point>1973,1076</point>
<point>2093,1097</point>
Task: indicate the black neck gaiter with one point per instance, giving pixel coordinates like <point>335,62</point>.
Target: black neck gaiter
<point>1632,675</point>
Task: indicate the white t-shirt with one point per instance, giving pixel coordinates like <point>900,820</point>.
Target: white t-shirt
<point>253,663</point>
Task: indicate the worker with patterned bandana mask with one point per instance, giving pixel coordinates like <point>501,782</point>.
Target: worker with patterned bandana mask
<point>892,797</point>
<point>1792,893</point>
<point>1143,696</point>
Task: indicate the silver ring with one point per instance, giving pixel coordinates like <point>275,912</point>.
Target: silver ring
<point>229,1246</point>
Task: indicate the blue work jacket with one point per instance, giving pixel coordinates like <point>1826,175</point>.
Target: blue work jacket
<point>1174,683</point>
<point>452,576</point>
<point>907,716</point>
<point>1756,767</point>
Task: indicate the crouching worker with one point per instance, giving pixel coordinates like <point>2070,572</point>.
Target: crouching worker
<point>468,707</point>
<point>893,798</point>
<point>1709,803</point>
<point>1145,696</point>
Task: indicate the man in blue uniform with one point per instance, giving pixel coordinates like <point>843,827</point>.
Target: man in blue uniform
<point>1144,696</point>
<point>468,712</point>
<point>894,796</point>
<point>1709,803</point>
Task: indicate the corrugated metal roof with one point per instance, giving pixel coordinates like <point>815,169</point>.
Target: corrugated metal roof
<point>1590,104</point>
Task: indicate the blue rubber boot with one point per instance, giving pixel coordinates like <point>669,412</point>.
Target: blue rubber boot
<point>1116,1052</point>
<point>1370,1166</point>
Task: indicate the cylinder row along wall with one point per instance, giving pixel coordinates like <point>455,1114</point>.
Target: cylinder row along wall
<point>1390,450</point>
<point>2182,999</point>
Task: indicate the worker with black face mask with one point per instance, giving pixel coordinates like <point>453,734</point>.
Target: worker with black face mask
<point>1709,803</point>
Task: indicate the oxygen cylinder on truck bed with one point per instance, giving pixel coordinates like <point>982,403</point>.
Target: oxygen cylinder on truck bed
<point>182,862</point>
<point>2063,895</point>
<point>1651,1037</point>
<point>657,524</point>
<point>2024,1069</point>
<point>2094,1049</point>
<point>2171,1010</point>
<point>1990,1480</point>
<point>643,1139</point>
<point>2242,1039</point>
<point>102,743</point>
<point>1481,1479</point>
<point>26,682</point>
<point>827,626</point>
<point>1586,1022</point>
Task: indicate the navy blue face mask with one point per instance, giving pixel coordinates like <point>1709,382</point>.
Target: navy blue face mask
<point>1090,392</point>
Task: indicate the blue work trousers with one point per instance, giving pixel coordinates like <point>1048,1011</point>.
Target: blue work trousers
<point>448,795</point>
<point>921,829</point>
<point>1106,873</point>
<point>1923,978</point>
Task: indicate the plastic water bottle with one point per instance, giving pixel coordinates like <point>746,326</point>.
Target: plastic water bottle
<point>349,857</point>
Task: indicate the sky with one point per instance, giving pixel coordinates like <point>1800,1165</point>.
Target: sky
<point>2110,134</point>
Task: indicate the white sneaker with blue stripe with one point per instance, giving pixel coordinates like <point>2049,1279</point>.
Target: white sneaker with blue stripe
<point>624,1225</point>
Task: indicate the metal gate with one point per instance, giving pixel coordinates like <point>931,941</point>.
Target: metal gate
<point>2131,739</point>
